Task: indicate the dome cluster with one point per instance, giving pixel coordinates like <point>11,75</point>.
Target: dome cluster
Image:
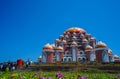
<point>52,47</point>
<point>74,31</point>
<point>75,44</point>
<point>79,39</point>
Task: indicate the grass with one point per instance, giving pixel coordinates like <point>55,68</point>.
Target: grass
<point>90,73</point>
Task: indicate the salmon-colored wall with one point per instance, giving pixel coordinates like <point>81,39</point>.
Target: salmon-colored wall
<point>49,57</point>
<point>99,55</point>
<point>61,56</point>
<point>88,55</point>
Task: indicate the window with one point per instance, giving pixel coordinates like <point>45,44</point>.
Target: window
<point>80,52</point>
<point>65,60</point>
<point>83,59</point>
<point>69,59</point>
<point>79,59</point>
<point>67,53</point>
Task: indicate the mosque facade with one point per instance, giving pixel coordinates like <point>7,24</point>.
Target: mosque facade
<point>76,45</point>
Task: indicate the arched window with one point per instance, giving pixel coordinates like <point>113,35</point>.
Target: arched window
<point>65,59</point>
<point>83,59</point>
<point>79,59</point>
<point>81,52</point>
<point>67,53</point>
<point>69,60</point>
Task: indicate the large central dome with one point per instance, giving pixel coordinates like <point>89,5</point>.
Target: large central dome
<point>75,29</point>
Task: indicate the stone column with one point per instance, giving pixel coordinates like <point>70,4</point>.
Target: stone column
<point>105,57</point>
<point>74,53</point>
<point>92,56</point>
<point>58,56</point>
<point>44,57</point>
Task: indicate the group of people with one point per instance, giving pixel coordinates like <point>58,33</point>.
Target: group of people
<point>8,66</point>
<point>11,66</point>
<point>29,63</point>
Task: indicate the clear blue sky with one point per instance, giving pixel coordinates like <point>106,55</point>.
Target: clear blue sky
<point>27,25</point>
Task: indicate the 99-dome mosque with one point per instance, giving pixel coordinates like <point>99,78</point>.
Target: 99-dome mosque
<point>76,45</point>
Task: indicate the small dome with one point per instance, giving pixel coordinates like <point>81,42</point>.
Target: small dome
<point>88,47</point>
<point>74,43</point>
<point>64,33</point>
<point>87,34</point>
<point>40,57</point>
<point>68,33</point>
<point>109,51</point>
<point>82,35</point>
<point>76,30</point>
<point>53,46</point>
<point>101,45</point>
<point>74,37</point>
<point>85,40</point>
<point>60,48</point>
<point>64,41</point>
<point>115,56</point>
<point>66,36</point>
<point>61,36</point>
<point>57,40</point>
<point>74,33</point>
<point>92,38</point>
<point>48,46</point>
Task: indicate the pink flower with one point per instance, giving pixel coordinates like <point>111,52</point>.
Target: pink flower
<point>82,77</point>
<point>21,77</point>
<point>49,78</point>
<point>59,75</point>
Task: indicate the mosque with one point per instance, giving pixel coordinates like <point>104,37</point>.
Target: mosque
<point>76,45</point>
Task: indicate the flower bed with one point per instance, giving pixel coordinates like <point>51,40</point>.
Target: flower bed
<point>58,75</point>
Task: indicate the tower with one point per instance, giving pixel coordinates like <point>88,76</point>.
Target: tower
<point>101,52</point>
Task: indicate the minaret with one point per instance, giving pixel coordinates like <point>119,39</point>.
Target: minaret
<point>89,53</point>
<point>111,56</point>
<point>101,52</point>
<point>74,51</point>
<point>92,42</point>
<point>59,53</point>
<point>57,42</point>
<point>48,51</point>
<point>88,36</point>
<point>44,56</point>
<point>40,59</point>
<point>116,58</point>
<point>84,43</point>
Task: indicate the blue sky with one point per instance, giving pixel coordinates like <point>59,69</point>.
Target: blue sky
<point>27,25</point>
